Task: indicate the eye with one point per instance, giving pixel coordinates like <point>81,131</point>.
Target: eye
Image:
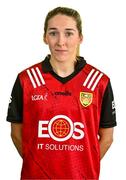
<point>68,34</point>
<point>53,33</point>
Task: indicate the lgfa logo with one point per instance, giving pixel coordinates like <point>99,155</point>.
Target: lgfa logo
<point>60,128</point>
<point>39,97</point>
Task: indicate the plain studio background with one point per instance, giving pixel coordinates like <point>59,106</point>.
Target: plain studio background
<point>21,45</point>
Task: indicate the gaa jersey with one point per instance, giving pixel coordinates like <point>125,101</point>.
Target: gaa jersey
<point>61,118</point>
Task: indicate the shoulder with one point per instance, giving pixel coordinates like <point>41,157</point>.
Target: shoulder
<point>95,77</point>
<point>92,70</point>
<point>31,69</point>
<point>31,74</point>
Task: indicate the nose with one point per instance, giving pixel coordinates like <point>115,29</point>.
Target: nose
<point>61,40</point>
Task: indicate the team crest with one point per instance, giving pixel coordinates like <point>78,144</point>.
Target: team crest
<point>86,98</point>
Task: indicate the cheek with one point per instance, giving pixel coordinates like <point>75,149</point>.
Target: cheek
<point>74,44</point>
<point>48,40</point>
<point>75,41</point>
<point>50,43</point>
<point>51,47</point>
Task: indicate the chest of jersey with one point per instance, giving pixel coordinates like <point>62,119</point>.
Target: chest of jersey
<point>53,97</point>
<point>63,119</point>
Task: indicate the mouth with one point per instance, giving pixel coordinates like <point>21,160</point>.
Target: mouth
<point>61,50</point>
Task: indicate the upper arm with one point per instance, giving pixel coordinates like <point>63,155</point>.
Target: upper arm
<point>16,130</point>
<point>15,108</point>
<point>106,134</point>
<point>108,112</point>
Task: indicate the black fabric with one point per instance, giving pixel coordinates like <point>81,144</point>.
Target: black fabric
<point>15,109</point>
<point>108,112</point>
<point>46,67</point>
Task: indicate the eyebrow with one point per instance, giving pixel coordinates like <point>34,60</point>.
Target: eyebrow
<point>67,29</point>
<point>70,29</point>
<point>52,29</point>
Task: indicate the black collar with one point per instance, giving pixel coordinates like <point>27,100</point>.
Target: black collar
<point>46,67</point>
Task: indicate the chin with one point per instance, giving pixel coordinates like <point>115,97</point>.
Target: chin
<point>61,58</point>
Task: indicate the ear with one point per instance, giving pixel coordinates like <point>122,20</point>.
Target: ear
<point>81,38</point>
<point>45,40</point>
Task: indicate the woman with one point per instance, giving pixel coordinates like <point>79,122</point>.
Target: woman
<point>62,109</point>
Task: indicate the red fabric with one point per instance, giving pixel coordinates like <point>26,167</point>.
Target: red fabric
<point>74,157</point>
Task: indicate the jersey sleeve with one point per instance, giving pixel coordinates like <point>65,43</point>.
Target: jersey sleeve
<point>15,108</point>
<point>108,111</point>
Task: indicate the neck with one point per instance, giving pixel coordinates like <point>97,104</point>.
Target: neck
<point>63,69</point>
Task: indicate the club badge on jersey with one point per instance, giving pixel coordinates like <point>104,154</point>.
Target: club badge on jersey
<point>86,98</point>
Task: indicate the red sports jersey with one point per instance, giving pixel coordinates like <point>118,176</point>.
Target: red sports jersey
<point>61,123</point>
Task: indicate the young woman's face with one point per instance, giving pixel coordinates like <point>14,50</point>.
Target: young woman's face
<point>63,37</point>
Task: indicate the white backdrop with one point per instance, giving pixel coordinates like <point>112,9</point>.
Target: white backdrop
<point>21,45</point>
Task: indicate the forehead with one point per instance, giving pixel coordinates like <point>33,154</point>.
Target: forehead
<point>62,21</point>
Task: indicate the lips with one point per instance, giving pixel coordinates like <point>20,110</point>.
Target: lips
<point>61,50</point>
